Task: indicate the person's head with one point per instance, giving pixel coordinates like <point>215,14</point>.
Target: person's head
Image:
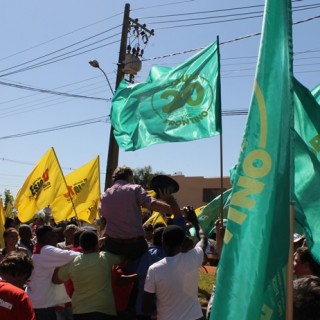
<point>123,173</point>
<point>172,239</point>
<point>9,223</point>
<point>306,298</point>
<point>69,233</point>
<point>25,232</point>
<point>304,264</point>
<point>47,235</point>
<point>10,237</point>
<point>157,236</point>
<point>16,269</point>
<point>89,241</point>
<point>76,237</point>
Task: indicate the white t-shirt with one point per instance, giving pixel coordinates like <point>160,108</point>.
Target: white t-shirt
<point>174,280</point>
<point>41,290</point>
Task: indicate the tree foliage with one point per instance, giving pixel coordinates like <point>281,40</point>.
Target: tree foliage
<point>143,176</point>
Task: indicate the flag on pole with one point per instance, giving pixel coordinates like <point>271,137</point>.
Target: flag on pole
<point>307,165</point>
<point>44,184</point>
<point>155,218</point>
<point>2,221</point>
<point>209,213</point>
<point>252,276</point>
<point>173,105</point>
<point>84,189</point>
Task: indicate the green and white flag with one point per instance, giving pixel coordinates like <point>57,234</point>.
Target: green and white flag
<point>307,165</point>
<point>316,93</point>
<point>173,105</point>
<point>209,213</point>
<point>252,276</point>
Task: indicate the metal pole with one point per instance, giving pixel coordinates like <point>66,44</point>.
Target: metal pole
<point>113,151</point>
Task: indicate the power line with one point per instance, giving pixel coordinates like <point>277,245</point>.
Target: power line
<point>104,119</point>
<point>65,126</point>
<point>54,59</point>
<point>49,91</point>
<point>67,47</point>
<point>58,37</point>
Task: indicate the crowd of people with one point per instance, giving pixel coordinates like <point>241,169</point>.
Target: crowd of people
<point>123,267</point>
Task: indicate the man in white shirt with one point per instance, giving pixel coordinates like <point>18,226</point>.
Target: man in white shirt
<point>173,281</point>
<point>49,299</point>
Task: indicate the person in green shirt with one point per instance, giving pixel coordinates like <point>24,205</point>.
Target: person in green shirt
<point>90,273</point>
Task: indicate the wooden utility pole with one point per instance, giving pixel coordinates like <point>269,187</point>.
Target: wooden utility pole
<point>113,151</point>
<point>140,31</point>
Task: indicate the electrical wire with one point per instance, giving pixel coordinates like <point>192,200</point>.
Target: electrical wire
<point>104,119</point>
<point>54,59</point>
<point>49,91</point>
<point>65,126</point>
<point>59,37</point>
<point>67,47</point>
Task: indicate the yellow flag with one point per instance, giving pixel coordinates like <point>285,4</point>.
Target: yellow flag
<point>156,218</point>
<point>2,220</point>
<point>44,184</point>
<point>84,188</point>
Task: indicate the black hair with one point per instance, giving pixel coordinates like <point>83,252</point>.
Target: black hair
<point>173,236</point>
<point>306,256</point>
<point>306,298</point>
<point>122,173</point>
<point>16,264</point>
<point>88,240</point>
<point>157,236</point>
<point>76,237</point>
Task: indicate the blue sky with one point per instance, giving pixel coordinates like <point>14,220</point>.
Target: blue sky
<point>33,29</point>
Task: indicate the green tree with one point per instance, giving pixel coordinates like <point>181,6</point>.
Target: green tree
<point>143,176</point>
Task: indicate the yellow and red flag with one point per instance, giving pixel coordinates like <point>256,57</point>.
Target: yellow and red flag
<point>43,185</point>
<point>82,196</point>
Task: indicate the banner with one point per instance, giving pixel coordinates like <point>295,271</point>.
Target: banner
<point>44,184</point>
<point>84,189</point>
<point>173,105</point>
<point>307,165</point>
<point>252,275</point>
<point>209,213</point>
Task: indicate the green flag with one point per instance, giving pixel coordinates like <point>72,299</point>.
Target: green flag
<point>211,212</point>
<point>316,93</point>
<point>173,105</point>
<point>252,276</point>
<point>307,165</point>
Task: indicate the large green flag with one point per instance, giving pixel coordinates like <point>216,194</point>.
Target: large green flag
<point>252,276</point>
<point>307,165</point>
<point>173,105</point>
<point>316,93</point>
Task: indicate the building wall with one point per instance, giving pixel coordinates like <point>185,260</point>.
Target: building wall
<point>191,190</point>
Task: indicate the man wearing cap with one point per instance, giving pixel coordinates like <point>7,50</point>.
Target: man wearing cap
<point>48,299</point>
<point>121,206</point>
<point>173,281</point>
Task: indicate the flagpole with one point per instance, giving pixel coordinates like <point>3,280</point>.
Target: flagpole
<point>64,179</point>
<point>221,149</point>
<point>289,306</point>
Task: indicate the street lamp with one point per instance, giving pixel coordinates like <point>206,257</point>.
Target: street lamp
<point>113,150</point>
<point>95,64</point>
